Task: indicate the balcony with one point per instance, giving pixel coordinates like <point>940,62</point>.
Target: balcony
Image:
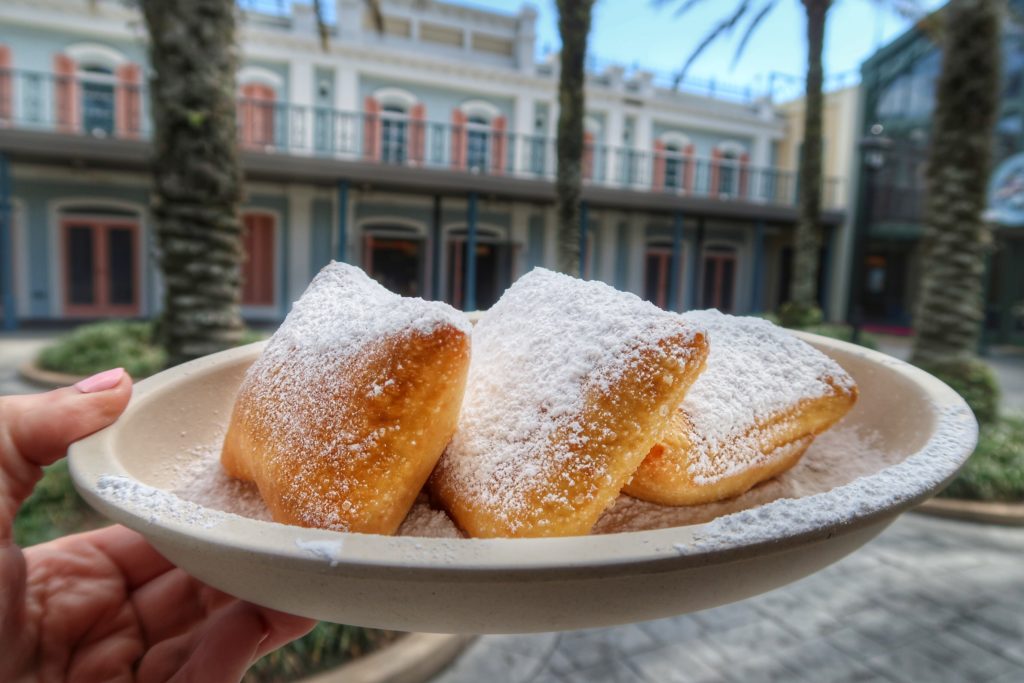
<point>107,115</point>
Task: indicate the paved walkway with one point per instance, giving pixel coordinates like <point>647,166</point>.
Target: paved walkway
<point>928,601</point>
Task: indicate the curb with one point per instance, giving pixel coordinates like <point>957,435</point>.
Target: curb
<point>32,373</point>
<point>1004,514</point>
<point>414,658</point>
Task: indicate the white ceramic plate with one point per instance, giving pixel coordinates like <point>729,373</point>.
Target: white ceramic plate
<point>512,585</point>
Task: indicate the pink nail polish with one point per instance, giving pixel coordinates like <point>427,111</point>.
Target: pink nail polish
<point>108,379</point>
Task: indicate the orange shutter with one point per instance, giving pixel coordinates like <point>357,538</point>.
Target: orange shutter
<point>128,101</point>
<point>257,115</point>
<point>716,157</point>
<point>499,144</point>
<point>65,96</point>
<point>744,174</point>
<point>459,142</point>
<point>258,264</point>
<point>658,172</point>
<point>6,93</point>
<point>417,134</point>
<point>588,156</point>
<point>688,163</point>
<point>371,129</point>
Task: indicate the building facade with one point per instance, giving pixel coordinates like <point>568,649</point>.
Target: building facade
<point>424,154</point>
<point>898,85</point>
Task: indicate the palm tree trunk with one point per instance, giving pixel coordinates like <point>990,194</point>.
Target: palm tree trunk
<point>574,27</point>
<point>803,307</point>
<point>950,308</point>
<point>196,173</point>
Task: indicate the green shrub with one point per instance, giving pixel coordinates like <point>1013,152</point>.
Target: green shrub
<point>799,316</point>
<point>974,380</point>
<point>996,470</point>
<point>54,509</point>
<point>98,346</point>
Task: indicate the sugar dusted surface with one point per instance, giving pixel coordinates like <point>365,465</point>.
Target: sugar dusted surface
<point>755,370</point>
<point>548,343</point>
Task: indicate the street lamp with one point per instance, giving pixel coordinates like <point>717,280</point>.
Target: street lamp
<point>874,148</point>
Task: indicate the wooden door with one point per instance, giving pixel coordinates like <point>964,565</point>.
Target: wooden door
<point>101,267</point>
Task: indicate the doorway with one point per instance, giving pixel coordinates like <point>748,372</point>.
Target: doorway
<point>101,267</point>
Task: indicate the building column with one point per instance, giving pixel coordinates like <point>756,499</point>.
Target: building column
<point>299,121</point>
<point>523,127</point>
<point>693,286</point>
<point>469,300</point>
<point>615,122</point>
<point>757,284</point>
<point>10,321</point>
<point>584,236</point>
<point>342,253</point>
<point>436,245</point>
<point>676,264</point>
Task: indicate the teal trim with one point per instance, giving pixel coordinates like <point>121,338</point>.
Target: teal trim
<point>320,235</point>
<point>622,256</point>
<point>10,321</point>
<point>469,303</point>
<point>535,243</point>
<point>342,220</point>
<point>675,265</point>
<point>757,277</point>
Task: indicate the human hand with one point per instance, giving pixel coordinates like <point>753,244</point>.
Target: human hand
<point>105,605</point>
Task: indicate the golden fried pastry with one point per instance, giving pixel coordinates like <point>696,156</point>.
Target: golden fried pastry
<point>570,385</point>
<point>750,415</point>
<point>345,413</point>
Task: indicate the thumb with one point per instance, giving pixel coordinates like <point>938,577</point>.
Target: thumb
<point>36,430</point>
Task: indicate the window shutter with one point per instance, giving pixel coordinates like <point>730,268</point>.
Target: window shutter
<point>459,141</point>
<point>65,95</point>
<point>716,160</point>
<point>371,129</point>
<point>588,156</point>
<point>688,168</point>
<point>417,134</point>
<point>658,172</point>
<point>6,93</point>
<point>744,174</point>
<point>128,101</point>
<point>499,144</point>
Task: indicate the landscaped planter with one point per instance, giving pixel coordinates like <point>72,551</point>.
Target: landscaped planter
<point>1008,514</point>
<point>413,658</point>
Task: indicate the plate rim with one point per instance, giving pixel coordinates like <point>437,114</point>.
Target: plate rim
<point>666,549</point>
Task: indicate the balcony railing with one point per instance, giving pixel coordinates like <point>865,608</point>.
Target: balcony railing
<point>100,106</point>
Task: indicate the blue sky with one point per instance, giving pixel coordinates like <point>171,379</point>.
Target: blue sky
<point>634,32</point>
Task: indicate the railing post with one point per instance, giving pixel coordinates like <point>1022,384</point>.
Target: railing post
<point>469,303</point>
<point>343,220</point>
<point>676,264</point>
<point>10,321</point>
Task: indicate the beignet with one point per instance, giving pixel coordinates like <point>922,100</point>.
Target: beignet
<point>570,385</point>
<point>343,416</point>
<point>762,391</point>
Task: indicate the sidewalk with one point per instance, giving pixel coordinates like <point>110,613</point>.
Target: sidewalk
<point>929,601</point>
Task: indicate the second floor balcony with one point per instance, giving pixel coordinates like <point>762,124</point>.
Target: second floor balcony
<point>101,107</point>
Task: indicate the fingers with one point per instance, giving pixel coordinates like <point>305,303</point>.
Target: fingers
<point>138,561</point>
<point>283,629</point>
<point>36,430</point>
<point>220,652</point>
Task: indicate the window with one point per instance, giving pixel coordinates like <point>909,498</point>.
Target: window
<point>394,257</point>
<point>495,263</point>
<point>441,35</point>
<point>727,173</point>
<point>478,137</point>
<point>97,100</point>
<point>101,270</point>
<point>393,134</point>
<point>673,167</point>
<point>258,259</point>
<point>493,45</point>
<point>719,281</point>
<point>657,270</point>
<point>257,109</point>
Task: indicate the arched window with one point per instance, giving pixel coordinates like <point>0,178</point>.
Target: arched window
<point>257,115</point>
<point>719,282</point>
<point>100,254</point>
<point>395,256</point>
<point>478,142</point>
<point>728,173</point>
<point>673,166</point>
<point>394,133</point>
<point>495,263</point>
<point>97,82</point>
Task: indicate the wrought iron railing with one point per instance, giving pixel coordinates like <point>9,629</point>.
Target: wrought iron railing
<point>101,106</point>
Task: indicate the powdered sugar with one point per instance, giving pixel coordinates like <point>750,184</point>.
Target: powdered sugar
<point>155,504</point>
<point>328,551</point>
<point>755,370</point>
<point>537,353</point>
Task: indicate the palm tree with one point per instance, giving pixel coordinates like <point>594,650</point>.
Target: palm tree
<point>802,308</point>
<point>950,309</point>
<point>574,28</point>
<point>197,179</point>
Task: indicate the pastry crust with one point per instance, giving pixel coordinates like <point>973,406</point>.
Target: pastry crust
<point>570,385</point>
<point>341,420</point>
<point>771,392</point>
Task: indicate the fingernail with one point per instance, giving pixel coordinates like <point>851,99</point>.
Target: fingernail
<point>108,379</point>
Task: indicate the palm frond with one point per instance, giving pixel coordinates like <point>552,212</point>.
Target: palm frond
<point>683,8</point>
<point>321,25</point>
<point>723,27</point>
<point>751,27</point>
<point>376,14</point>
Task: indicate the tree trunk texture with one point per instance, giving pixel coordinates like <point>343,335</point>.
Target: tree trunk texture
<point>574,27</point>
<point>950,308</point>
<point>196,173</point>
<point>804,285</point>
